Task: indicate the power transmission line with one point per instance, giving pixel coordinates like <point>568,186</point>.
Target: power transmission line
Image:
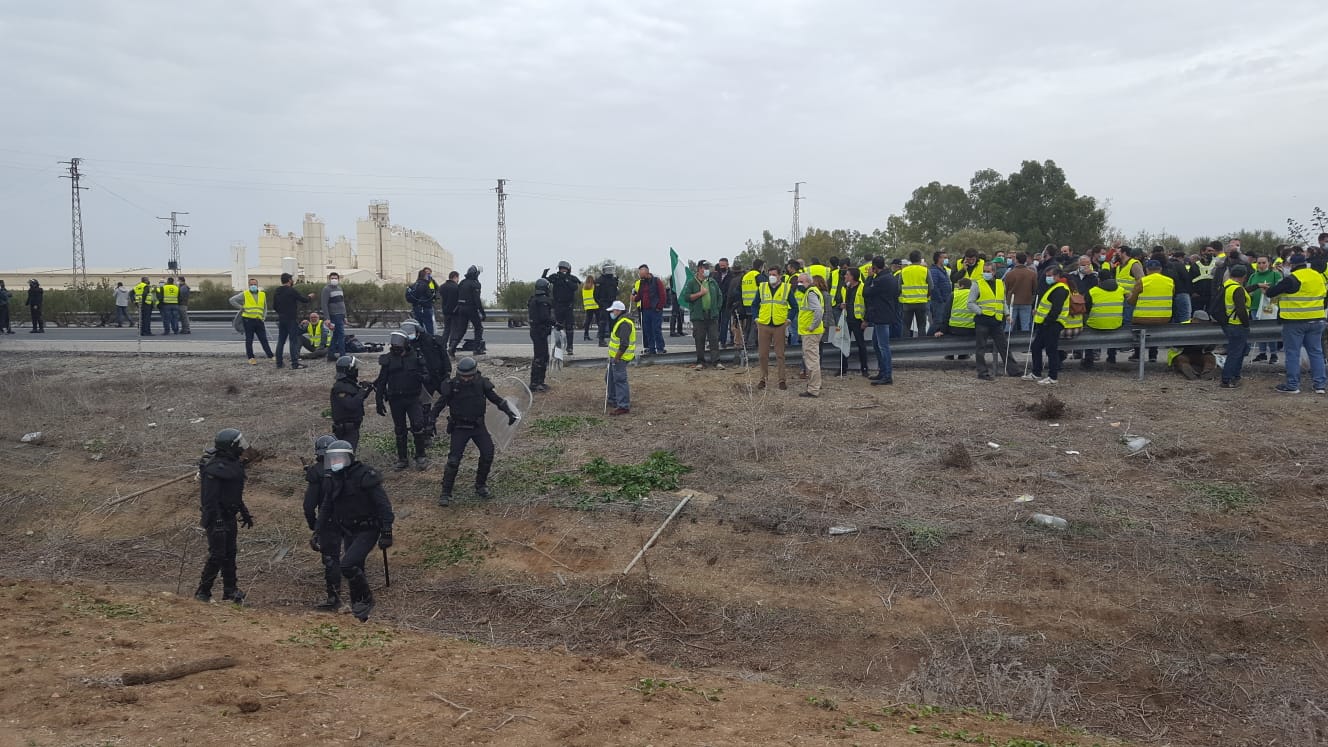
<point>797,229</point>
<point>502,235</point>
<point>80,269</point>
<point>175,232</point>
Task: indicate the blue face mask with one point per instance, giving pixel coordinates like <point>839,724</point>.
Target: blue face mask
<point>986,276</point>
<point>1051,280</point>
<point>253,289</point>
<point>945,262</point>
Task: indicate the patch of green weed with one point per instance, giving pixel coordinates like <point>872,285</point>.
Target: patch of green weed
<point>922,537</point>
<point>327,635</point>
<point>1223,496</point>
<point>468,547</point>
<point>660,471</point>
<point>383,443</point>
<point>648,686</point>
<point>563,425</point>
<point>102,608</point>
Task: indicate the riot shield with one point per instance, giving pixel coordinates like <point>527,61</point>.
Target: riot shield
<point>519,398</point>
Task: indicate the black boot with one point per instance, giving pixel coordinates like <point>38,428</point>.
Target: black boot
<point>203,593</point>
<point>232,594</point>
<point>402,463</point>
<point>332,603</point>
<point>421,449</point>
<point>361,596</point>
<point>449,480</point>
<point>482,477</point>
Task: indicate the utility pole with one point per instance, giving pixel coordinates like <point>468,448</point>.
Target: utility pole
<point>797,229</point>
<point>175,232</point>
<point>502,235</point>
<point>80,270</point>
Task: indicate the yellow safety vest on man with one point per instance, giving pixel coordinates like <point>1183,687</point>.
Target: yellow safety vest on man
<point>1044,306</point>
<point>1156,294</point>
<point>255,305</point>
<point>774,305</point>
<point>170,294</point>
<point>314,333</point>
<point>991,302</point>
<point>974,273</point>
<point>805,316</point>
<point>615,343</point>
<point>1108,311</point>
<point>819,271</point>
<point>960,316</point>
<point>749,288</point>
<point>913,281</point>
<point>1124,278</point>
<point>588,301</point>
<point>1229,289</point>
<point>139,291</point>
<point>853,297</point>
<point>1305,304</point>
<point>636,289</point>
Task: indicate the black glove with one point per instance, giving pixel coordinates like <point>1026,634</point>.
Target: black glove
<point>381,409</point>
<point>313,543</point>
<point>247,521</point>
<point>484,317</point>
<point>385,540</point>
<point>511,417</point>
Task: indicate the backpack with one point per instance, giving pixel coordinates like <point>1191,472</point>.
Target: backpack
<point>1078,306</point>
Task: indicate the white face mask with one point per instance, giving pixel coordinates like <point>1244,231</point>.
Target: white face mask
<point>334,281</point>
<point>774,280</point>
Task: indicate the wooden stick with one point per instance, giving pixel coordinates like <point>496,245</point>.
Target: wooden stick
<point>131,496</point>
<point>458,706</point>
<point>176,672</point>
<point>655,536</point>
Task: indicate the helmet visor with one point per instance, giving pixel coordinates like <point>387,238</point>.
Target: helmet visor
<point>338,460</point>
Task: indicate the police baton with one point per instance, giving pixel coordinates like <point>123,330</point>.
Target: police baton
<point>387,572</point>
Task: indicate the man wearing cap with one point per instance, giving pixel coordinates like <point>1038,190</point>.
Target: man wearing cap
<point>563,290</point>
<point>705,300</point>
<point>622,349</point>
<point>1300,298</point>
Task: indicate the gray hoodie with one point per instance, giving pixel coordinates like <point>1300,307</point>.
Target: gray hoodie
<point>333,301</point>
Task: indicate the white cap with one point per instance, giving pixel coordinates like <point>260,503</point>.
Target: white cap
<point>617,306</point>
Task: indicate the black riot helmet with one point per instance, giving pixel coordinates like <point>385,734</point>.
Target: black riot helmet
<point>565,265</point>
<point>472,271</point>
<point>340,455</point>
<point>322,443</point>
<point>467,367</point>
<point>541,285</point>
<point>230,442</point>
<point>397,340</point>
<point>348,364</point>
<point>412,327</point>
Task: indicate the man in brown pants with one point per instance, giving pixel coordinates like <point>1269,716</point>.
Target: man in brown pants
<point>811,327</point>
<point>772,324</point>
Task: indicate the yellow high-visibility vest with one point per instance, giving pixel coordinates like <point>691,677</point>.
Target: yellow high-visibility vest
<point>749,288</point>
<point>1307,303</point>
<point>1124,279</point>
<point>1108,311</point>
<point>819,271</point>
<point>960,316</point>
<point>774,305</point>
<point>255,306</point>
<point>991,302</point>
<point>1229,293</point>
<point>139,290</point>
<point>974,274</point>
<point>854,299</point>
<point>1155,297</point>
<point>805,317</point>
<point>1044,306</point>
<point>170,294</point>
<point>914,284</point>
<point>615,345</point>
<point>588,301</point>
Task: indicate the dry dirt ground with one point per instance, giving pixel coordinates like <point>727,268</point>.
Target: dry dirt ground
<point>1183,605</point>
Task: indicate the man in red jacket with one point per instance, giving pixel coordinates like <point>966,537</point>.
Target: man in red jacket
<point>651,296</point>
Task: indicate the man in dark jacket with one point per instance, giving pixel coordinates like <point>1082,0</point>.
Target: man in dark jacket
<point>421,296</point>
<point>348,395</point>
<point>353,511</point>
<point>564,287</point>
<point>723,277</point>
<point>400,382</point>
<point>328,547</point>
<point>286,301</point>
<point>34,304</point>
<point>540,311</point>
<point>447,301</point>
<point>606,292</point>
<point>466,394</point>
<point>432,351</point>
<point>469,310</point>
<point>881,294</point>
<point>1047,325</point>
<point>221,479</point>
<point>651,296</point>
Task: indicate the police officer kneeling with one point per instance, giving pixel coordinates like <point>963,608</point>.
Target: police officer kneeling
<point>353,515</point>
<point>466,395</point>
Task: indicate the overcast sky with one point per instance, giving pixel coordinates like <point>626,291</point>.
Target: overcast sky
<point>628,126</point>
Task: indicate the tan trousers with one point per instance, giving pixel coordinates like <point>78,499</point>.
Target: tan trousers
<point>766,336</point>
<point>811,360</point>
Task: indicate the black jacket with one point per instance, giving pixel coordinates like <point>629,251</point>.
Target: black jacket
<point>313,491</point>
<point>35,294</point>
<point>347,400</point>
<point>354,499</point>
<point>724,281</point>
<point>881,296</point>
<point>467,400</point>
<point>399,377</point>
<point>221,492</point>
<point>432,352</point>
<point>286,302</point>
<point>540,311</point>
<point>447,296</point>
<point>565,288</point>
<point>468,293</point>
<point>1058,297</point>
<point>421,294</point>
<point>606,291</point>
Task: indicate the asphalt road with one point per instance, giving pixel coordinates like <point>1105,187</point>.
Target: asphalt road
<point>224,332</point>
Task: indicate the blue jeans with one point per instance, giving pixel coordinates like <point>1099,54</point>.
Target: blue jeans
<point>122,316</point>
<point>1237,346</point>
<point>1181,309</point>
<point>615,379</point>
<point>424,315</point>
<point>881,339</point>
<point>1021,317</point>
<point>1307,334</point>
<point>940,314</point>
<point>170,318</point>
<point>338,348</point>
<point>1127,314</point>
<point>650,327</point>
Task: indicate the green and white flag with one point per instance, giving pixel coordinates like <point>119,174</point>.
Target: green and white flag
<point>677,271</point>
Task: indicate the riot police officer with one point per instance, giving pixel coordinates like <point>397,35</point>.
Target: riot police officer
<point>400,382</point>
<point>563,289</point>
<point>469,310</point>
<point>354,514</point>
<point>432,350</point>
<point>313,494</point>
<point>466,395</point>
<point>221,478</point>
<point>541,314</point>
<point>348,395</point>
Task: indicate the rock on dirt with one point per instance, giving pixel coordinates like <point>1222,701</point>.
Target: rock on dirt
<point>956,457</point>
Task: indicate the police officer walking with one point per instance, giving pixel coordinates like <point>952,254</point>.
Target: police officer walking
<point>563,287</point>
<point>348,395</point>
<point>313,496</point>
<point>221,476</point>
<point>541,314</point>
<point>354,514</point>
<point>606,292</point>
<point>466,395</point>
<point>469,310</point>
<point>400,382</point>
<point>432,352</point>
